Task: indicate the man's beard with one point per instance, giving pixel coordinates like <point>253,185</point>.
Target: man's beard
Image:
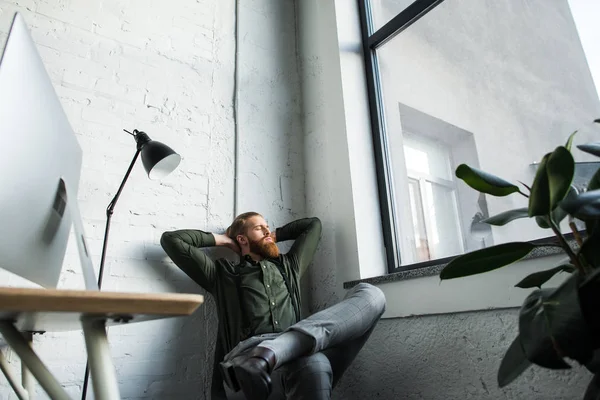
<point>264,249</point>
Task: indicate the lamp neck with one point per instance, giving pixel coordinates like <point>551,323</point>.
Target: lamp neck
<point>141,138</point>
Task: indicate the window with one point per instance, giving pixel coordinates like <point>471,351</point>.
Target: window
<point>494,85</point>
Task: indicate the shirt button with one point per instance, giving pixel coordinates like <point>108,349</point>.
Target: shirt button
<point>268,285</point>
<point>276,323</point>
<point>273,303</point>
<point>264,267</point>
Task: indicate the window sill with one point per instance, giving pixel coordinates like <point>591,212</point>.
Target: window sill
<point>421,292</point>
<point>435,269</point>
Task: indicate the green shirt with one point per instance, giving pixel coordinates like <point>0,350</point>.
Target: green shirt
<point>252,297</point>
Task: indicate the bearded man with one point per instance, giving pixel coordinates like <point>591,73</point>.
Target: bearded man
<point>265,350</point>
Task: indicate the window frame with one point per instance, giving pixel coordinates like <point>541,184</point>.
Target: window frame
<point>371,40</point>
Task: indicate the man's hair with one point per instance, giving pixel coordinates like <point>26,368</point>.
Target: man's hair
<point>238,226</point>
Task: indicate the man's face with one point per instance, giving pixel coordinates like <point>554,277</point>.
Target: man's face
<point>259,238</point>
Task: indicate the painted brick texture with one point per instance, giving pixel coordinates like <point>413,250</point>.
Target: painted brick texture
<point>165,68</point>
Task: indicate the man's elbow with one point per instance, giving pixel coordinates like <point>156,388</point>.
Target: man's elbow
<point>166,241</point>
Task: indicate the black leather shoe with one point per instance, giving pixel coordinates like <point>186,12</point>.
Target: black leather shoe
<point>253,373</point>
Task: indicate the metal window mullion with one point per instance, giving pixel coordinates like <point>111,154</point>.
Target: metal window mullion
<point>400,22</point>
<point>384,174</point>
<point>384,184</point>
<point>433,179</point>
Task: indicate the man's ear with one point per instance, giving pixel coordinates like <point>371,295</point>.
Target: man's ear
<point>242,240</point>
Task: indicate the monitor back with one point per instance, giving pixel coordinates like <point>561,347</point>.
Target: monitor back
<point>39,157</point>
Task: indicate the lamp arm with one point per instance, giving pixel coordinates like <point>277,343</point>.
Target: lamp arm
<point>109,213</point>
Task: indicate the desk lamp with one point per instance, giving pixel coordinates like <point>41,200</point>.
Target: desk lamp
<point>159,160</point>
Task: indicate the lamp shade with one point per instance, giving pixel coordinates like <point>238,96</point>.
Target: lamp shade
<point>159,159</point>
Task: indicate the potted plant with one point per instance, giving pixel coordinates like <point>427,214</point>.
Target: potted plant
<point>559,323</point>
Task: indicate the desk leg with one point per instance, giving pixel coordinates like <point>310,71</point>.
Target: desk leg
<point>103,372</point>
<point>19,344</point>
<point>26,377</point>
<point>19,391</point>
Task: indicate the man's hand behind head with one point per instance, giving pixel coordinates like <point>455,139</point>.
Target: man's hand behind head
<point>226,241</point>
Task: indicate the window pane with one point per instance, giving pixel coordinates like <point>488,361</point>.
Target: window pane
<point>494,85</point>
<point>445,234</point>
<point>384,10</point>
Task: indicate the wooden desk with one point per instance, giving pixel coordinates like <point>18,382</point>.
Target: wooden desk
<point>50,310</point>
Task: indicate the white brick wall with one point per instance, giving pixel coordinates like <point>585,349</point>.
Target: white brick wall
<point>165,68</point>
<point>271,167</point>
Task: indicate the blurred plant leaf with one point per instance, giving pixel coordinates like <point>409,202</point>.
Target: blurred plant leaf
<point>560,169</point>
<point>593,390</point>
<point>594,364</point>
<point>551,326</point>
<point>542,222</point>
<point>539,200</point>
<point>558,214</point>
<point>507,216</point>
<point>484,182</point>
<point>513,364</point>
<point>594,183</point>
<point>486,259</point>
<point>570,141</point>
<point>537,279</point>
<point>583,206</point>
<point>591,148</point>
<point>590,249</point>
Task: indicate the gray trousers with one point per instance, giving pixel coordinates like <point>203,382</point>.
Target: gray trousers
<point>339,332</point>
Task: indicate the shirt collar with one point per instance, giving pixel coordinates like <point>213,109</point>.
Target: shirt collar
<point>250,260</point>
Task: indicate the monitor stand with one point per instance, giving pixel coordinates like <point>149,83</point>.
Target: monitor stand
<point>66,199</point>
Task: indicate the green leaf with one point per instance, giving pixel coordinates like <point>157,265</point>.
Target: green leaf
<point>484,182</point>
<point>537,279</point>
<point>507,216</point>
<point>594,183</point>
<point>591,148</point>
<point>486,259</point>
<point>552,326</point>
<point>570,141</point>
<point>583,206</point>
<point>513,364</point>
<point>560,169</point>
<point>539,200</point>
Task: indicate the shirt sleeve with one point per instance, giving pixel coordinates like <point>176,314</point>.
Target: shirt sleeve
<point>184,248</point>
<point>306,234</point>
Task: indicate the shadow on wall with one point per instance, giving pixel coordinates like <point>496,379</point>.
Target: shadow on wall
<point>172,358</point>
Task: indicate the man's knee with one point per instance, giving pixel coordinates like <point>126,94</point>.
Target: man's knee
<point>309,368</point>
<point>373,294</point>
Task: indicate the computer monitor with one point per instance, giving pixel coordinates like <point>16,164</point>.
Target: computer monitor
<point>40,164</point>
